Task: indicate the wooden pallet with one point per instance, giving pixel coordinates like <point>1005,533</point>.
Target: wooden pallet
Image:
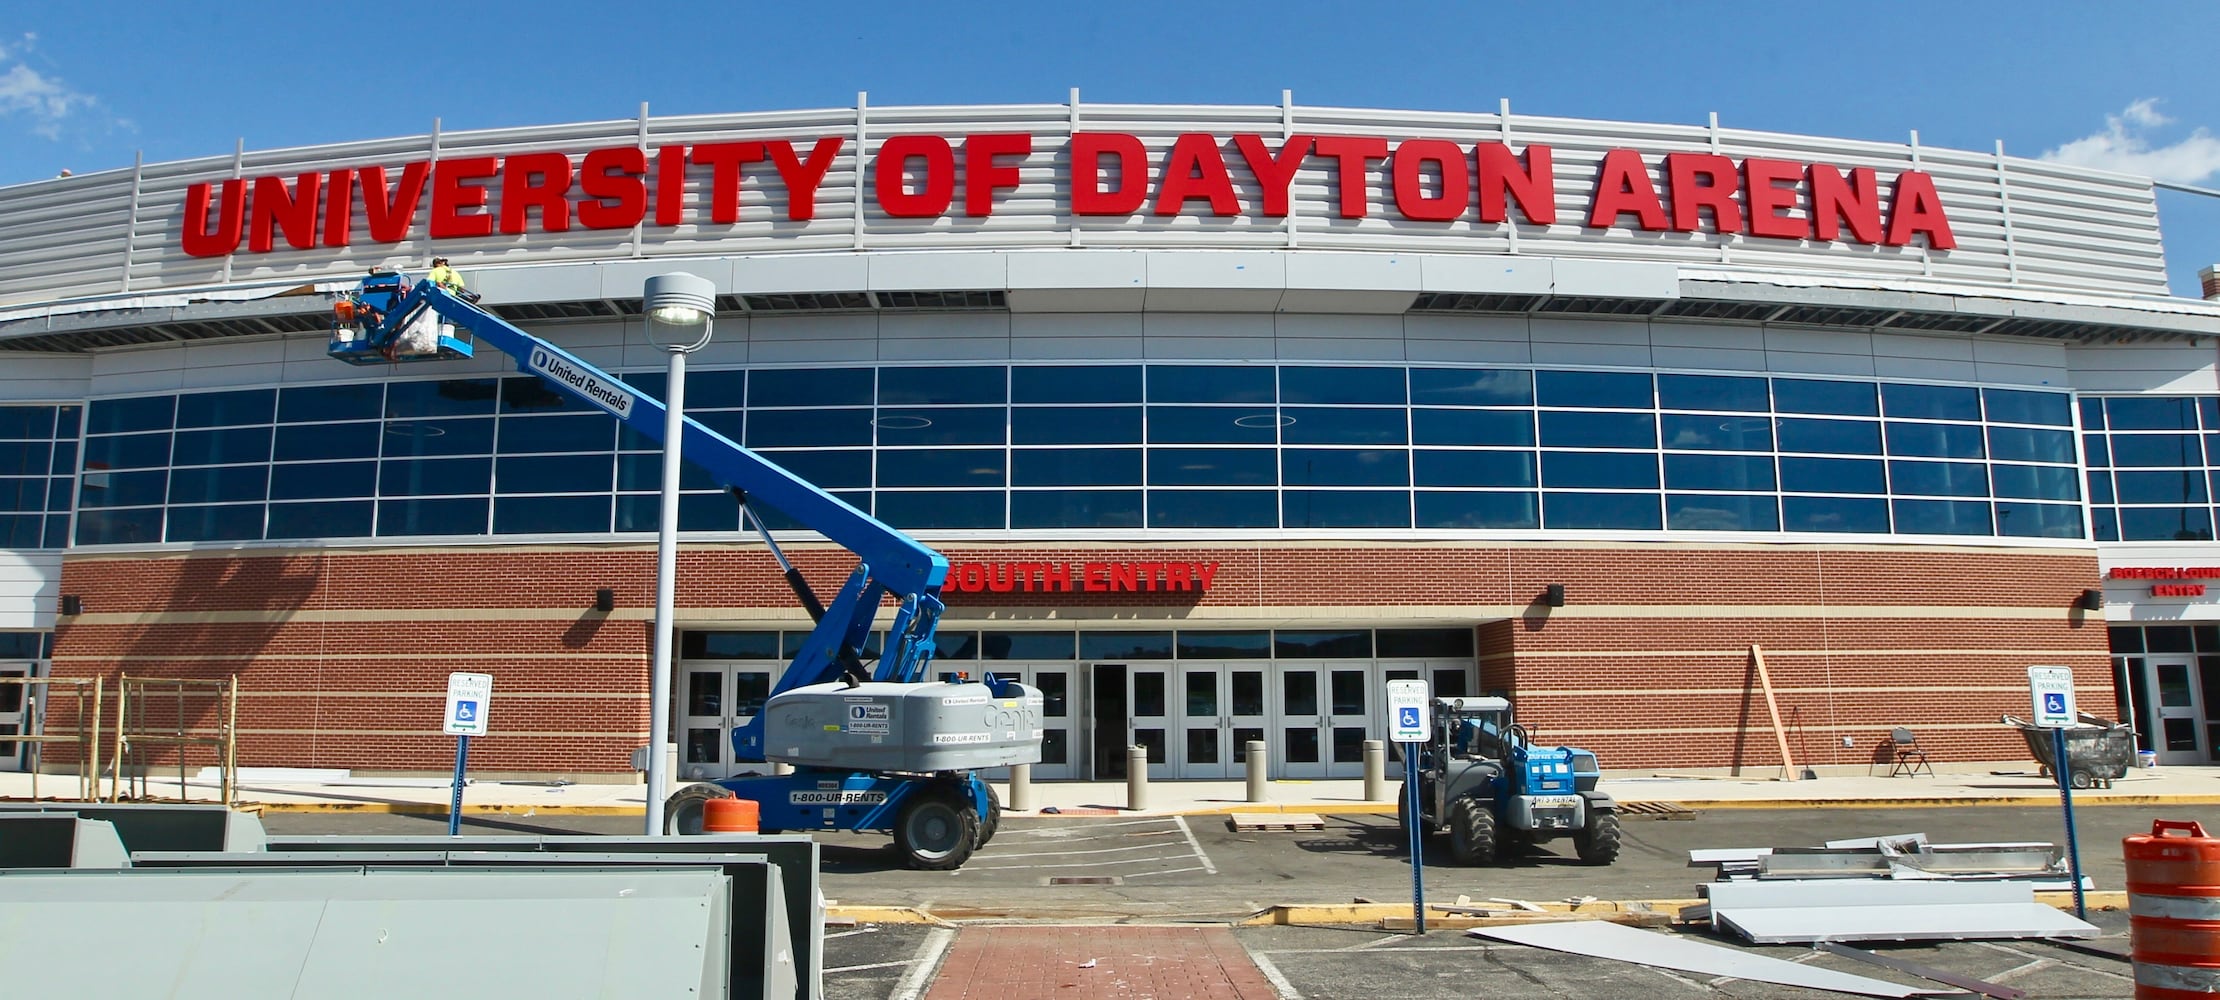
<point>1256,822</point>
<point>1655,810</point>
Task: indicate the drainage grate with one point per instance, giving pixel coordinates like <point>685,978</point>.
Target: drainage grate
<point>1655,810</point>
<point>1085,880</point>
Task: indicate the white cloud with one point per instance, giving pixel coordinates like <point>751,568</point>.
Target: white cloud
<point>45,101</point>
<point>2125,145</point>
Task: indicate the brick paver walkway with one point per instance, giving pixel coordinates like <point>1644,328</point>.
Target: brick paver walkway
<point>1025,962</point>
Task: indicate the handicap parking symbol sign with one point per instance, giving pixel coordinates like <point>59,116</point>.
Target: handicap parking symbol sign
<point>2054,702</point>
<point>466,711</point>
<point>1408,719</point>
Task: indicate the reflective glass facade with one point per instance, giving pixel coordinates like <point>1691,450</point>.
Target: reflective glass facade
<point>38,467</point>
<point>2151,469</point>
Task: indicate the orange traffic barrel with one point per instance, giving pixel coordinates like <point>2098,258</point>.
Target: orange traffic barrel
<point>728,815</point>
<point>2173,884</point>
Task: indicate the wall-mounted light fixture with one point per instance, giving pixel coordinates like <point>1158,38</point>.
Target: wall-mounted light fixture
<point>605,599</point>
<point>73,604</point>
<point>1554,597</point>
<point>2091,599</point>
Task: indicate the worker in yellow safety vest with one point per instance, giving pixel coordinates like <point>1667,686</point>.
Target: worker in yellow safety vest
<point>444,276</point>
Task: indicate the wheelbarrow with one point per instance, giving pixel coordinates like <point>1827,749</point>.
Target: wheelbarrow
<point>2097,750</point>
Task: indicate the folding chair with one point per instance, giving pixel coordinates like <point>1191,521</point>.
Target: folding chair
<point>1907,759</point>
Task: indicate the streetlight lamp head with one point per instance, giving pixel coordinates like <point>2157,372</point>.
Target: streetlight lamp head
<point>680,310</point>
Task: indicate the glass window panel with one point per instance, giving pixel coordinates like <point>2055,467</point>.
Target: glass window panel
<point>531,394</point>
<point>220,484</point>
<point>1075,384</point>
<point>705,390</point>
<point>2092,412</point>
<point>1026,645</point>
<point>1076,467</point>
<point>1598,430</point>
<point>123,489</point>
<point>1943,479</point>
<point>1713,392</point>
<point>2146,450</point>
<point>810,387</point>
<point>26,423</point>
<point>1473,427</point>
<point>450,398</point>
<point>1599,470</point>
<point>550,515</point>
<point>1345,467</point>
<point>2094,447</point>
<point>434,477</point>
<point>1850,399</point>
<point>1942,517</point>
<point>1473,468</point>
<point>1341,384</point>
<point>2208,408</point>
<point>65,458</point>
<point>20,531</point>
<point>953,645</point>
<point>1248,696</point>
<point>2100,488</point>
<point>762,645</point>
<point>1127,646</point>
<point>140,413</point>
<point>1635,511</point>
<point>1075,509</point>
<point>1713,432</point>
<point>1616,390</point>
<point>1320,644</point>
<point>942,467</point>
<point>2125,639</point>
<point>724,515</point>
<point>1301,743</point>
<point>119,527</point>
<point>2105,523</point>
<point>1718,472</point>
<point>1472,386</point>
<point>1148,698</point>
<point>2035,482</point>
<point>1346,689</point>
<point>940,509</point>
<point>553,474</point>
<point>311,403</point>
<point>808,428</point>
<point>66,419</point>
<point>2020,406</point>
<point>924,386</point>
<point>2185,486</point>
<point>2038,520</point>
<point>318,480</point>
<point>59,490</point>
<point>1251,644</point>
<point>23,495</point>
<point>469,436</point>
<point>346,519</point>
<point>1451,682</point>
<point>432,517</point>
<point>1838,514</point>
<point>1213,509</point>
<point>1210,384</point>
<point>2028,444</point>
<point>523,435</point>
<point>1335,425</point>
<point>1477,510</point>
<point>1213,425</point>
<point>2170,639</point>
<point>1930,402</point>
<point>1696,512</point>
<point>128,451</point>
<point>25,458</point>
<point>233,445</point>
<point>1212,467</point>
<point>1424,642</point>
<point>1346,509</point>
<point>951,425</point>
<point>647,383</point>
<point>1934,440</point>
<point>1075,425</point>
<point>644,471</point>
<point>1834,437</point>
<point>224,409</point>
<point>2151,413</point>
<point>215,524</point>
<point>318,441</point>
<point>731,424</point>
<point>827,469</point>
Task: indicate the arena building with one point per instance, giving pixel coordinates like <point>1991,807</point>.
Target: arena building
<point>1224,416</point>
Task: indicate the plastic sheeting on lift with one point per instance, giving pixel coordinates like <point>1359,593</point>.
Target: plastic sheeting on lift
<point>1598,939</point>
<point>1885,910</point>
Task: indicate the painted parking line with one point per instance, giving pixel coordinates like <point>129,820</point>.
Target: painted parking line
<point>924,965</point>
<point>1165,841</point>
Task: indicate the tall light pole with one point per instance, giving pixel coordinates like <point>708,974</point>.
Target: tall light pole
<point>680,310</point>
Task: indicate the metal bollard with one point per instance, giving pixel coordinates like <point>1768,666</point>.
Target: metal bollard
<point>1375,770</point>
<point>1256,770</point>
<point>1136,778</point>
<point>1021,787</point>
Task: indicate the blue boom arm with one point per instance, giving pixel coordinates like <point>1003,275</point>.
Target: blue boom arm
<point>890,562</point>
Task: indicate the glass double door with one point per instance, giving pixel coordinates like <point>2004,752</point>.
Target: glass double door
<point>715,698</point>
<point>16,706</point>
<point>2169,714</point>
<point>1196,719</point>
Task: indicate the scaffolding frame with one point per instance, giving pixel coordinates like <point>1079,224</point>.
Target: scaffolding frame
<point>87,734</point>
<point>134,739</point>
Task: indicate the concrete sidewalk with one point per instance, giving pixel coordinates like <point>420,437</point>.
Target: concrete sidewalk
<point>2004,786</point>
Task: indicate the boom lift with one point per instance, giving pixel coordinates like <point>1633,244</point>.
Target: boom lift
<point>882,747</point>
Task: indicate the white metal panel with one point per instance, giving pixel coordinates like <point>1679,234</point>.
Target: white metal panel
<point>1599,939</point>
<point>30,588</point>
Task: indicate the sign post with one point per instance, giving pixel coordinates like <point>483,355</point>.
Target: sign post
<point>468,697</point>
<point>1411,725</point>
<point>2051,694</point>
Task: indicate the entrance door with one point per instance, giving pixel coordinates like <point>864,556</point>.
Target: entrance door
<point>15,717</point>
<point>2178,718</point>
<point>1132,707</point>
<point>715,698</point>
<point>1324,719</point>
<point>1222,708</point>
<point>1058,748</point>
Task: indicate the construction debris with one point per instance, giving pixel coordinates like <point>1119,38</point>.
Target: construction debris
<point>1927,972</point>
<point>1796,911</point>
<point>1906,856</point>
<point>1257,822</point>
<point>1665,951</point>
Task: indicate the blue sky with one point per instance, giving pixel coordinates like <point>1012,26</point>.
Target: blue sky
<point>2122,85</point>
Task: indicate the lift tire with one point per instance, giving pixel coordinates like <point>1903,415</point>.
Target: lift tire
<point>937,829</point>
<point>992,821</point>
<point>1471,832</point>
<point>682,811</point>
<point>1597,843</point>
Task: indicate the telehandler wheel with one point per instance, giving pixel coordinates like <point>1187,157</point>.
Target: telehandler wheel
<point>992,821</point>
<point>682,811</point>
<point>1471,832</point>
<point>937,829</point>
<point>1597,843</point>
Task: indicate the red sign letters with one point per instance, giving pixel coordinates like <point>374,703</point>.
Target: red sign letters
<point>1079,577</point>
